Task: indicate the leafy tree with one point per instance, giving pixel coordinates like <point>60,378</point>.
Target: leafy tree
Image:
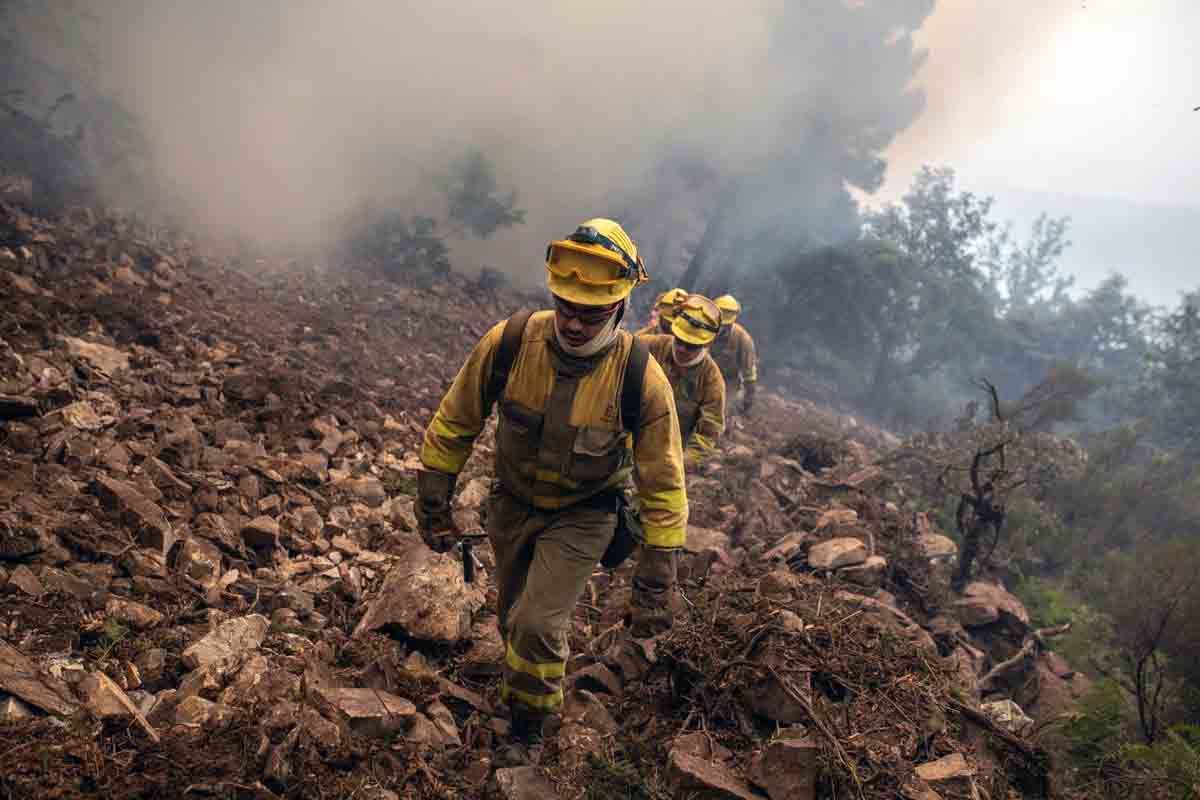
<point>1174,382</point>
<point>474,204</point>
<point>1025,276</point>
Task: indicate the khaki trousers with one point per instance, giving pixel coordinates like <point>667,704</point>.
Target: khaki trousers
<point>543,562</point>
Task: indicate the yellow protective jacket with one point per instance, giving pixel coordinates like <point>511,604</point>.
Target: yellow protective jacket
<point>560,441</point>
<point>734,354</point>
<point>699,399</point>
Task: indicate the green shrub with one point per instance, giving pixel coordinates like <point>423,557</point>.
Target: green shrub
<point>1095,733</point>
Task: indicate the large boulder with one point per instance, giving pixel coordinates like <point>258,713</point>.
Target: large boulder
<point>425,596</point>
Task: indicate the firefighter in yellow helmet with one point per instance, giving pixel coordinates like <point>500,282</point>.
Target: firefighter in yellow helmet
<point>695,378</point>
<point>734,353</point>
<point>570,435</point>
<point>663,312</point>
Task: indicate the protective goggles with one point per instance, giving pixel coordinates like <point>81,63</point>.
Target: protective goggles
<point>696,322</point>
<point>576,255</point>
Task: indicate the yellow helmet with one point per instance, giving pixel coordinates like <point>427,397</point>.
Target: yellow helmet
<point>596,265</point>
<point>730,308</point>
<point>697,321</point>
<point>669,301</point>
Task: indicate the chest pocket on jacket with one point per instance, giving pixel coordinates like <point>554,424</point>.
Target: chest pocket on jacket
<point>518,434</point>
<point>597,453</point>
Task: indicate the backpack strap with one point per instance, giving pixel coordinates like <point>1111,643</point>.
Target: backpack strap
<point>631,389</point>
<point>506,354</point>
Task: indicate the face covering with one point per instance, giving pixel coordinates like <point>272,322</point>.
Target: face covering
<point>691,362</point>
<point>599,342</point>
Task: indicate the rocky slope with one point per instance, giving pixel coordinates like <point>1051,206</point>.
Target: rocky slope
<point>210,582</point>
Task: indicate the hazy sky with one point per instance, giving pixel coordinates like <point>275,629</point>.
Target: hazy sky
<point>1070,96</point>
<point>272,115</point>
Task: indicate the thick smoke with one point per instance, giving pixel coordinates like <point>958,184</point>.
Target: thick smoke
<point>275,117</point>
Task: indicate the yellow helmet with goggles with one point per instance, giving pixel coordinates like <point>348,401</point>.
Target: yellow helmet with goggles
<point>697,321</point>
<point>730,308</point>
<point>596,265</point>
<point>669,301</point>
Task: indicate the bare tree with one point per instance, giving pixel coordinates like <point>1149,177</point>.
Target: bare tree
<point>982,503</point>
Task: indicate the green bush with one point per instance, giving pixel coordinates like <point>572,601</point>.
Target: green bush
<point>1095,733</point>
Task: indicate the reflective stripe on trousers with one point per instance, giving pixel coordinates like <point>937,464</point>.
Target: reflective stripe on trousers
<point>543,562</point>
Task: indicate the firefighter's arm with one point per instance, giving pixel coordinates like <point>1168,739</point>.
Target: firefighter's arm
<point>658,464</point>
<point>461,415</point>
<point>448,442</point>
<point>658,472</point>
<point>747,358</point>
<point>711,423</point>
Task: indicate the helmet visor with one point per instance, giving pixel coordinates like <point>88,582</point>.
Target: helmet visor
<point>585,264</point>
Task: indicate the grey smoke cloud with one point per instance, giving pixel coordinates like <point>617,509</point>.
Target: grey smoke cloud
<point>272,117</point>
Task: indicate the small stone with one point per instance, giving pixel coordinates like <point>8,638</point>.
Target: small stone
<point>1008,715</point>
<point>102,357</point>
<point>869,573</point>
<point>23,579</point>
<point>200,560</point>
<point>789,621</point>
<point>789,769</point>
<point>261,532</point>
<point>935,546</point>
<point>135,615</point>
<point>346,544</point>
<point>147,519</point>
<point>205,681</point>
<point>786,547</point>
<point>689,774</point>
<point>837,553</point>
<point>103,698</point>
<point>597,678</point>
<point>151,664</point>
<point>837,517</point>
<point>228,642</point>
<point>947,768</point>
<point>164,479</point>
<point>284,618</point>
<point>585,708</point>
<point>193,710</point>
<point>524,783</point>
<point>13,710</point>
<point>369,712</point>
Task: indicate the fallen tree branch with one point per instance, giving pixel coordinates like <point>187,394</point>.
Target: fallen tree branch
<point>1035,642</point>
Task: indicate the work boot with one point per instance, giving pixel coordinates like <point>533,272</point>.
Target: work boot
<point>530,727</point>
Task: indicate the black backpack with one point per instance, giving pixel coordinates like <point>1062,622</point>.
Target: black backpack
<point>631,387</point>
